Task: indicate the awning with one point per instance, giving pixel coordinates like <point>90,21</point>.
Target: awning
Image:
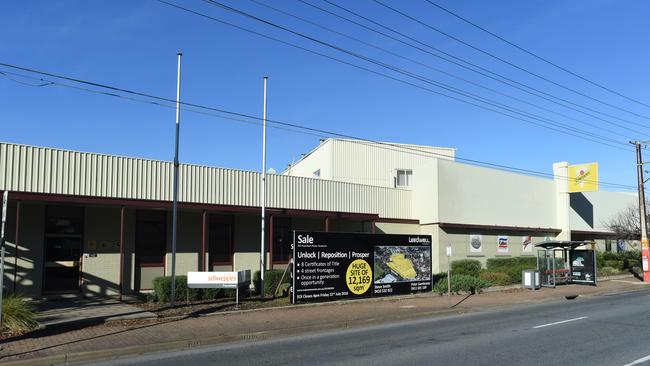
<point>557,244</point>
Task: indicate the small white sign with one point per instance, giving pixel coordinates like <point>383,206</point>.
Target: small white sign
<point>5,196</point>
<point>449,251</point>
<point>217,279</point>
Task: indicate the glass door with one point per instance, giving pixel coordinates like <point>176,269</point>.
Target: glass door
<point>63,239</point>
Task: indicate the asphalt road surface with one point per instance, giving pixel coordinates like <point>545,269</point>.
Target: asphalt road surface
<point>606,330</point>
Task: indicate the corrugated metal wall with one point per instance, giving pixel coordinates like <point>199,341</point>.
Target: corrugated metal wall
<point>52,171</point>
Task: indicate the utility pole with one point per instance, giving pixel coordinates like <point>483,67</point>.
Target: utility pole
<point>645,248</point>
<point>176,164</point>
<point>263,200</point>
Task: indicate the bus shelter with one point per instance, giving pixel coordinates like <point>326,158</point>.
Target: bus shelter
<point>561,262</point>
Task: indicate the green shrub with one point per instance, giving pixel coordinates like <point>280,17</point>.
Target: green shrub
<point>271,280</point>
<point>511,266</point>
<point>467,267</point>
<point>162,287</point>
<point>632,262</point>
<point>607,271</point>
<point>18,315</point>
<point>462,284</point>
<point>496,278</point>
<point>615,263</point>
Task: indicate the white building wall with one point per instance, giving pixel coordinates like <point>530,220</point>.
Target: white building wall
<point>476,195</point>
<point>592,210</point>
<point>318,159</point>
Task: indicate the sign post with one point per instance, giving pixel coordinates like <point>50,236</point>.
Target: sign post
<point>448,270</point>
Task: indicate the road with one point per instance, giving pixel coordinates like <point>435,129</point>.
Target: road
<point>604,330</point>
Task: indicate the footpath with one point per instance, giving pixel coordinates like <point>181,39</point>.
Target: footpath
<point>118,339</point>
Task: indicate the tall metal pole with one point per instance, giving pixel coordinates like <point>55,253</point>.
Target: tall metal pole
<point>645,248</point>
<point>175,204</point>
<point>5,197</point>
<point>263,200</point>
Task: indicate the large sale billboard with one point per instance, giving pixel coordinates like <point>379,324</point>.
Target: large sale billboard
<point>334,266</point>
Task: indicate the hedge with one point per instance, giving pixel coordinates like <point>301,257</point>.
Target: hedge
<point>271,280</point>
<point>511,266</point>
<point>162,287</point>
<point>496,278</point>
<point>629,259</point>
<point>461,284</point>
<point>467,267</point>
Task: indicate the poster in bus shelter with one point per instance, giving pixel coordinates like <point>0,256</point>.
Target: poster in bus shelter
<point>583,266</point>
<point>335,266</point>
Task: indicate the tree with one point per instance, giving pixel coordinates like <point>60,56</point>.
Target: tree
<point>626,223</point>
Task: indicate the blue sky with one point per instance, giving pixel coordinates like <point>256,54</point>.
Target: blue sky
<point>133,44</point>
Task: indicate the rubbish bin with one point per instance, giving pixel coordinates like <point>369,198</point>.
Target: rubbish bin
<point>530,279</point>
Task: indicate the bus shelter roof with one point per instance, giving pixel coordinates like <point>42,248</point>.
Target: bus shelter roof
<point>557,244</point>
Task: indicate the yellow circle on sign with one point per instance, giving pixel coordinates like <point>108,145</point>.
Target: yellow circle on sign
<point>358,276</point>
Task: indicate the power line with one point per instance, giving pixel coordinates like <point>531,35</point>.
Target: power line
<point>545,60</point>
<point>438,70</point>
<point>507,62</point>
<point>432,82</point>
<point>302,128</point>
<point>460,62</point>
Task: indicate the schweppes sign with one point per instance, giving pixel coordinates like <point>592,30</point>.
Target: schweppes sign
<point>583,177</point>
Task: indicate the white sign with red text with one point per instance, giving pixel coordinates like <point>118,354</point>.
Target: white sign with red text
<point>218,279</point>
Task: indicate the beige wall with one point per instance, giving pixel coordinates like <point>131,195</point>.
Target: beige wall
<point>476,195</point>
<point>396,228</point>
<point>188,243</point>
<point>319,158</point>
<point>101,251</point>
<point>29,275</point>
<point>592,210</point>
<point>459,241</point>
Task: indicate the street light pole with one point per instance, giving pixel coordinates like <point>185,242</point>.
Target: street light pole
<point>263,200</point>
<point>176,164</point>
<point>5,197</point>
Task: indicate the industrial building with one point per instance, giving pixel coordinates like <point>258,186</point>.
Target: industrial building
<point>101,225</point>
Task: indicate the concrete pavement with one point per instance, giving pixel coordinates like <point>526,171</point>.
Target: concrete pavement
<point>97,342</point>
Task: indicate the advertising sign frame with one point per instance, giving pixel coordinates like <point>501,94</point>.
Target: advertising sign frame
<point>332,266</point>
<point>583,266</point>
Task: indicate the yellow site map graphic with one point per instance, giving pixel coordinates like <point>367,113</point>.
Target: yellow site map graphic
<point>402,266</point>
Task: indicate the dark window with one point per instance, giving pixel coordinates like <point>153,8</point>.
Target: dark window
<point>220,239</point>
<point>608,245</point>
<point>282,239</point>
<point>150,237</point>
<point>64,220</point>
<point>63,238</point>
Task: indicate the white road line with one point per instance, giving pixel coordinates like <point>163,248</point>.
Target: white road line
<point>640,360</point>
<point>560,322</point>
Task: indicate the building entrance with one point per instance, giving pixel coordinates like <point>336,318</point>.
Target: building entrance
<point>63,242</point>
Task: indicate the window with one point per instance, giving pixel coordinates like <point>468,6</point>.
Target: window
<point>220,239</point>
<point>150,237</point>
<point>317,174</point>
<point>404,178</point>
<point>282,239</point>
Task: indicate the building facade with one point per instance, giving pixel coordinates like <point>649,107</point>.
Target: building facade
<point>101,225</point>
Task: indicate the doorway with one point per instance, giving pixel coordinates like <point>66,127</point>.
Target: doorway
<point>63,243</point>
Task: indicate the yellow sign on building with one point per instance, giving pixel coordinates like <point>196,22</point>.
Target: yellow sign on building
<point>583,177</point>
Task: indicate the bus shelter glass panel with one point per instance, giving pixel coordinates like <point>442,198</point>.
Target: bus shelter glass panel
<point>546,268</point>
